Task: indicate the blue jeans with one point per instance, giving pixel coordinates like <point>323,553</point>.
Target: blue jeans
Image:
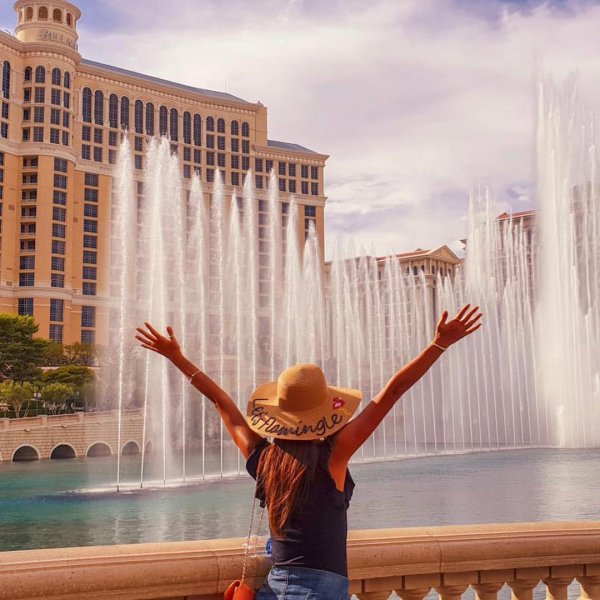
<point>301,583</point>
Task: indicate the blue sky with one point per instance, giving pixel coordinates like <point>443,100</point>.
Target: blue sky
<point>416,101</point>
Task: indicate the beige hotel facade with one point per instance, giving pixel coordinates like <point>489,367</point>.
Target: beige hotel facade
<point>62,120</point>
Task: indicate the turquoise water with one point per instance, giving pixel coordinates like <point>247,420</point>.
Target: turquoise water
<point>507,486</point>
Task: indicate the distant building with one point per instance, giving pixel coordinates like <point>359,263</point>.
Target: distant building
<point>62,119</point>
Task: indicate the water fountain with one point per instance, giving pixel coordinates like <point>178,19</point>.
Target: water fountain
<point>243,311</point>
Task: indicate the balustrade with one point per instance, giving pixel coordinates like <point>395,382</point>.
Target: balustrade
<point>409,562</point>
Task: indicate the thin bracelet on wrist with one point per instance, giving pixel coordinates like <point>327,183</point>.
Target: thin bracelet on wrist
<point>194,375</point>
<point>442,348</point>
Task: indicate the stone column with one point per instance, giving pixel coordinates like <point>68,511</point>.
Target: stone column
<point>451,592</point>
<point>487,591</point>
<point>415,594</point>
<point>522,589</point>
<point>374,595</point>
<point>590,587</point>
<point>557,588</point>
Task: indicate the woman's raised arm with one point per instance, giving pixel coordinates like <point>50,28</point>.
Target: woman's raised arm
<point>357,431</point>
<point>234,421</point>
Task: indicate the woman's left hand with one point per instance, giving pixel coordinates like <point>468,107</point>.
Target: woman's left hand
<point>465,323</point>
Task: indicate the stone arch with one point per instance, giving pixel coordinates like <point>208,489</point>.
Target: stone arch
<point>21,16</point>
<point>130,448</point>
<point>57,15</point>
<point>62,451</point>
<point>29,13</point>
<point>98,449</point>
<point>43,13</point>
<point>148,446</point>
<point>69,19</point>
<point>25,453</point>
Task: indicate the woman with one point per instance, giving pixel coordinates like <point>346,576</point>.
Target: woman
<point>303,476</point>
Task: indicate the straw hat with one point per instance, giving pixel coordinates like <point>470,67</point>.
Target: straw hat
<point>300,405</point>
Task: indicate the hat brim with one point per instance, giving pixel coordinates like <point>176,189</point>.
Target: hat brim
<point>267,418</point>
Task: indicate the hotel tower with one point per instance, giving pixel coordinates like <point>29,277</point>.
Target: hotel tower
<point>62,120</point>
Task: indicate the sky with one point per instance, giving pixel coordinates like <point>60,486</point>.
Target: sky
<point>416,101</point>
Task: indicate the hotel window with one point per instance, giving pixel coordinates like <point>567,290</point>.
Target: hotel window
<point>197,156</point>
<point>90,241</point>
<point>269,166</point>
<point>235,179</point>
<point>113,111</point>
<point>150,118</point>
<point>27,263</point>
<point>28,245</point>
<point>28,228</point>
<point>29,195</point>
<point>29,162</point>
<point>29,178</point>
<point>258,180</point>
<point>282,168</point>
<point>163,117</point>
<point>68,81</point>
<point>90,195</point>
<point>26,279</point>
<point>86,133</point>
<point>66,119</point>
<point>91,179</point>
<point>98,137</point>
<point>314,172</point>
<point>292,186</point>
<point>57,309</point>
<point>89,288</point>
<point>245,129</point>
<point>245,147</point>
<point>5,110</point>
<point>98,154</point>
<point>282,185</point>
<point>27,95</point>
<point>304,171</point>
<point>124,112</point>
<point>174,123</point>
<point>89,273</point>
<point>60,197</point>
<point>221,159</point>
<point>235,162</point>
<point>314,189</point>
<point>197,130</point>
<point>66,100</point>
<point>138,144</point>
<point>90,226</point>
<point>220,142</point>
<point>86,152</point>
<point>235,145</point>
<point>60,165</point>
<point>235,128</point>
<point>210,141</point>
<point>187,171</point>
<point>99,108</point>
<point>4,130</point>
<point>59,214</point>
<point>86,107</point>
<point>88,336</point>
<point>58,230</point>
<point>112,138</point>
<point>187,154</point>
<point>57,280</point>
<point>139,116</point>
<point>54,116</point>
<point>26,114</point>
<point>26,307</point>
<point>90,210</point>
<point>210,158</point>
<point>112,157</point>
<point>138,162</point>
<point>56,333</point>
<point>56,77</point>
<point>28,73</point>
<point>55,136</point>
<point>245,163</point>
<point>304,187</point>
<point>221,126</point>
<point>40,74</point>
<point>89,257</point>
<point>60,181</point>
<point>210,175</point>
<point>55,97</point>
<point>6,80</point>
<point>210,124</point>
<point>38,114</point>
<point>88,316</point>
<point>292,169</point>
<point>58,247</point>
<point>310,211</point>
<point>258,164</point>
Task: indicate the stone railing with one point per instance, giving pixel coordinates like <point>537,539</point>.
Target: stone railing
<point>409,562</point>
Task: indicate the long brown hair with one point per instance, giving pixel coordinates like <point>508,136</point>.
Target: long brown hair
<point>285,473</point>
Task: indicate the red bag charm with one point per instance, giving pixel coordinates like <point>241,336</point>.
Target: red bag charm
<point>238,590</point>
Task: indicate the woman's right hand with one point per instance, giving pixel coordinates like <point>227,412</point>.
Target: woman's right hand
<point>151,339</point>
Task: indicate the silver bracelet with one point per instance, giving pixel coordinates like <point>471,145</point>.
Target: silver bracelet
<point>194,375</point>
<point>438,346</point>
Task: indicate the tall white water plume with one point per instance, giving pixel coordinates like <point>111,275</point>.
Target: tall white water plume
<point>241,279</point>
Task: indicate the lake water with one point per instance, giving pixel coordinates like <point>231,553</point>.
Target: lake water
<point>493,487</point>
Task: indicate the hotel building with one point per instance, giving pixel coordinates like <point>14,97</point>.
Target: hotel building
<point>62,120</point>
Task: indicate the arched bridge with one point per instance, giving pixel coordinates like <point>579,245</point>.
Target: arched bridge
<point>70,436</point>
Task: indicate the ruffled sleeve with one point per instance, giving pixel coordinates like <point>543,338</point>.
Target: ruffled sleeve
<point>254,458</point>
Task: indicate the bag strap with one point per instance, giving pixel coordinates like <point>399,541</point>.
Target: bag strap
<point>247,549</point>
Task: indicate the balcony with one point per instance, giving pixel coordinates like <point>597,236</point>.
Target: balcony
<point>409,562</point>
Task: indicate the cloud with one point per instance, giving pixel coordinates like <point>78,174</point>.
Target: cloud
<point>415,101</point>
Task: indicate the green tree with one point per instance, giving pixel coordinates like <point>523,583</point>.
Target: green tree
<point>16,396</point>
<point>57,396</point>
<point>54,355</point>
<point>79,354</point>
<point>73,375</point>
<point>20,353</point>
